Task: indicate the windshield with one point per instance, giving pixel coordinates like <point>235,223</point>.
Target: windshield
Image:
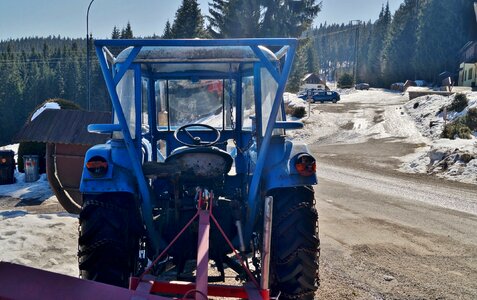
<point>200,101</point>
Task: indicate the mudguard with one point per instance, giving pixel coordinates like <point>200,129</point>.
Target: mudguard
<point>119,176</point>
<point>280,171</point>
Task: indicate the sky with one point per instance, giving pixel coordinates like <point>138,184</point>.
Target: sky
<point>67,18</point>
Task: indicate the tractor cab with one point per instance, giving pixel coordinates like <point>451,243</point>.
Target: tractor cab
<point>196,97</point>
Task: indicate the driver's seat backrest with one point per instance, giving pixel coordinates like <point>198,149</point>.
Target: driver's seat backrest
<point>204,162</point>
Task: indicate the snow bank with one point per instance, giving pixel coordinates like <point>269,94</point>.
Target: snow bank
<point>450,159</point>
<point>38,190</point>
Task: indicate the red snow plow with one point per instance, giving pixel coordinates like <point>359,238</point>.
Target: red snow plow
<point>21,282</point>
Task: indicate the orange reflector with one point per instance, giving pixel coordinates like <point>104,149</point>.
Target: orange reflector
<point>305,164</point>
<point>97,166</point>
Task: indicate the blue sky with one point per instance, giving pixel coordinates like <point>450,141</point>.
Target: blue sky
<point>25,18</point>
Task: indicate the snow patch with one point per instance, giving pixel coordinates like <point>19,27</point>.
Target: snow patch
<point>48,105</point>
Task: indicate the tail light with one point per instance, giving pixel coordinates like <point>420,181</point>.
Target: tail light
<point>305,164</point>
<point>97,166</point>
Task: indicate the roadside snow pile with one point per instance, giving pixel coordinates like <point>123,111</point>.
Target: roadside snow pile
<point>454,159</point>
<point>38,190</point>
<point>293,100</point>
<point>425,112</point>
<point>345,91</point>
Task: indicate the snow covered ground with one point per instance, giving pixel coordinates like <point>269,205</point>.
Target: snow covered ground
<point>394,116</point>
<point>46,241</point>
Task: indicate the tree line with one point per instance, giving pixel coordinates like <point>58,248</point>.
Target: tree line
<point>420,40</point>
<point>35,69</point>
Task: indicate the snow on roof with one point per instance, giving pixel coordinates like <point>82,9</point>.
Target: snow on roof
<point>174,59</point>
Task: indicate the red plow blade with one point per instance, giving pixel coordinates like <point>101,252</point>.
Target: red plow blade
<point>20,282</point>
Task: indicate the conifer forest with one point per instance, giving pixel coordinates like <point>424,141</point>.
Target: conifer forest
<point>421,39</point>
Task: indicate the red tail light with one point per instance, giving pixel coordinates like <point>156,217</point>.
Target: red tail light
<point>305,164</point>
<point>97,166</point>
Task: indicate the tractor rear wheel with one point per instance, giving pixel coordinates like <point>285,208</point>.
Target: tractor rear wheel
<point>109,238</point>
<point>295,247</point>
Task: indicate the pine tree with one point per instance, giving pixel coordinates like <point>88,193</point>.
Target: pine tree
<point>312,64</point>
<point>263,18</point>
<point>363,50</point>
<point>167,31</point>
<point>116,34</point>
<point>188,22</point>
<point>234,18</point>
<point>299,69</point>
<point>218,10</point>
<point>443,30</point>
<point>400,45</point>
<point>379,34</point>
<point>288,18</point>
<point>127,33</point>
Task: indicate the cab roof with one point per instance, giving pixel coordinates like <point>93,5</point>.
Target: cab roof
<point>200,58</point>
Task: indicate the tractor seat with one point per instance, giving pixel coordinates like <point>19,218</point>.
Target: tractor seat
<point>206,162</point>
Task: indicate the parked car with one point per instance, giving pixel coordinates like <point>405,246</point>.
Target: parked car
<point>321,96</point>
<point>362,86</point>
<point>304,94</point>
<point>398,86</point>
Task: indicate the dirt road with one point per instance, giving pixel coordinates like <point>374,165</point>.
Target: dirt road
<point>386,234</point>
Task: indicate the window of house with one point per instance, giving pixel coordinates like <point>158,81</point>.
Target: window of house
<point>471,71</point>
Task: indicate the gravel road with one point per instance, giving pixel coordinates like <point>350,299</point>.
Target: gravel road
<point>387,234</point>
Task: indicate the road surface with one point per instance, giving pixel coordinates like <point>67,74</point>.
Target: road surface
<point>386,234</point>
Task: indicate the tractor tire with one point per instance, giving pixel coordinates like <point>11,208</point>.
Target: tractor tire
<point>110,229</point>
<point>295,246</point>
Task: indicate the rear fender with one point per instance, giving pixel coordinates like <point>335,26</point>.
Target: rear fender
<point>280,169</point>
<point>119,176</point>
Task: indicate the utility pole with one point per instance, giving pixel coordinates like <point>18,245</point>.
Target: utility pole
<point>356,23</point>
<point>89,38</point>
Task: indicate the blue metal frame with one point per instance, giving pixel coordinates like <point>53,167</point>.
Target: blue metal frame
<point>113,76</point>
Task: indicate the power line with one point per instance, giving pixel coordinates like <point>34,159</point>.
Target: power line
<point>335,32</point>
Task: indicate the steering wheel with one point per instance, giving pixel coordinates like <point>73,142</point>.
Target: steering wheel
<point>197,142</point>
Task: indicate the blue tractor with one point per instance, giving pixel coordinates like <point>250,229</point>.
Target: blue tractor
<point>199,125</point>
